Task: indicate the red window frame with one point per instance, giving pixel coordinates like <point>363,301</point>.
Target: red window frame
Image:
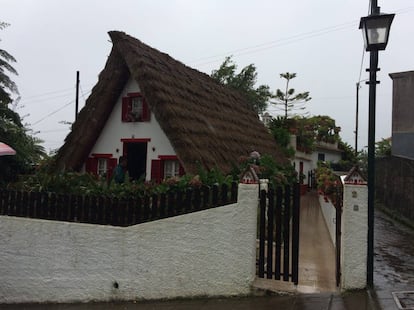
<point>157,167</point>
<point>91,164</point>
<point>127,114</point>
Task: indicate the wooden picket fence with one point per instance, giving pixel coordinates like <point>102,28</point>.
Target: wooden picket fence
<point>114,211</point>
<point>278,252</point>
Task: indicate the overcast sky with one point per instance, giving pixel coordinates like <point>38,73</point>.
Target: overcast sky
<point>319,40</point>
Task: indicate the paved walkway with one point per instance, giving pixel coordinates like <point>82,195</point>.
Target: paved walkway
<point>316,253</point>
<point>355,301</point>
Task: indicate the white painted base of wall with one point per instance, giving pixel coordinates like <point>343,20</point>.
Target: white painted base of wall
<point>329,214</point>
<point>354,237</point>
<point>207,253</point>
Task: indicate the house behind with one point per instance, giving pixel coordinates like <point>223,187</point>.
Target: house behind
<point>403,114</point>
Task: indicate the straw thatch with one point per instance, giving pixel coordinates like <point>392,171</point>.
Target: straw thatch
<point>205,122</point>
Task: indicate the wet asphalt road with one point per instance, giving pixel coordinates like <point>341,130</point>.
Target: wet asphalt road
<point>393,259</point>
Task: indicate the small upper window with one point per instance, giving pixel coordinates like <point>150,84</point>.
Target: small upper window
<point>135,108</point>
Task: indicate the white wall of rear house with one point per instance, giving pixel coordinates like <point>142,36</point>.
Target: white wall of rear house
<point>307,166</point>
<point>109,140</point>
<point>330,156</point>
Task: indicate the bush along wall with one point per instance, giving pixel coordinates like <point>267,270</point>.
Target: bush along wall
<point>328,183</point>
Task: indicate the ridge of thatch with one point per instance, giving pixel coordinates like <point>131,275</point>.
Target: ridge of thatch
<point>206,122</point>
<point>93,116</point>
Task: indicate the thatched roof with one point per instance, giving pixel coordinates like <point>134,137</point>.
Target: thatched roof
<point>205,121</point>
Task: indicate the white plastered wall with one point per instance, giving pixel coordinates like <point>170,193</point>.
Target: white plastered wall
<point>329,214</point>
<point>109,140</point>
<point>207,253</point>
<point>354,237</point>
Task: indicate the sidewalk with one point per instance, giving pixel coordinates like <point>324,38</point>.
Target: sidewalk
<point>355,301</point>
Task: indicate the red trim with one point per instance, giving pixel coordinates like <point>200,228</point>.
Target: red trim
<point>125,149</point>
<point>146,115</point>
<point>110,165</point>
<point>133,140</point>
<point>181,171</point>
<point>136,94</point>
<point>101,155</point>
<point>91,165</point>
<point>168,157</point>
<point>127,116</point>
<point>126,108</point>
<point>157,170</point>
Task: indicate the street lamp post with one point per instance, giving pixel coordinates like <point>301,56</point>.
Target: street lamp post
<point>375,28</point>
<point>356,119</point>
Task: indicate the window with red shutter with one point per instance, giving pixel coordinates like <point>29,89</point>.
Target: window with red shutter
<point>91,166</point>
<point>101,165</point>
<point>112,163</point>
<point>181,171</point>
<point>135,108</point>
<point>157,171</point>
<point>126,108</point>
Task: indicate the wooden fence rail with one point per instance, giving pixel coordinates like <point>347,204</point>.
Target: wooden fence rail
<point>114,211</point>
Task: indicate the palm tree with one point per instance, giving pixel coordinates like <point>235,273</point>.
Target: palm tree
<point>12,131</point>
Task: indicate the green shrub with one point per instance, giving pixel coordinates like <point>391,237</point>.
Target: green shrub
<point>87,184</point>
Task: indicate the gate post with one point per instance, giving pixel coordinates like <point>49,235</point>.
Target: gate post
<point>354,231</point>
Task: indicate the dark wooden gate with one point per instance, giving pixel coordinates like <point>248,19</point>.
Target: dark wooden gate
<point>338,233</point>
<point>279,233</point>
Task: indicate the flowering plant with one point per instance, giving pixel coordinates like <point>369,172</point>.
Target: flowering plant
<point>328,183</point>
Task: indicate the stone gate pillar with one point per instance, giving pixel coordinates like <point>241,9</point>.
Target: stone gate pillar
<point>354,231</point>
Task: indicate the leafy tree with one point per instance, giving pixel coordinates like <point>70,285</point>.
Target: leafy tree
<point>349,159</point>
<point>12,131</point>
<point>383,148</point>
<point>244,82</point>
<point>290,101</point>
<point>280,129</point>
<point>324,128</point>
<point>308,131</point>
<point>7,86</point>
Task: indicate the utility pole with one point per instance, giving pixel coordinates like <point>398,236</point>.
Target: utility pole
<point>77,96</point>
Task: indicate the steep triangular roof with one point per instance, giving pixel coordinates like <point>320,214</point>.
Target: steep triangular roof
<point>205,121</point>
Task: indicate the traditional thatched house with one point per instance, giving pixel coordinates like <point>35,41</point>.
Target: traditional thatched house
<point>164,116</point>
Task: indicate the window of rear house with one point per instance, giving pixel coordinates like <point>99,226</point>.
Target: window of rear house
<point>321,157</point>
<point>135,108</point>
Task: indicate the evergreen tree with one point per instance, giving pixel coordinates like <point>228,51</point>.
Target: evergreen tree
<point>290,101</point>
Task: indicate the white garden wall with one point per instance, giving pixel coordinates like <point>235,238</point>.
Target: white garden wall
<point>207,253</point>
<point>329,214</point>
<point>354,237</point>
